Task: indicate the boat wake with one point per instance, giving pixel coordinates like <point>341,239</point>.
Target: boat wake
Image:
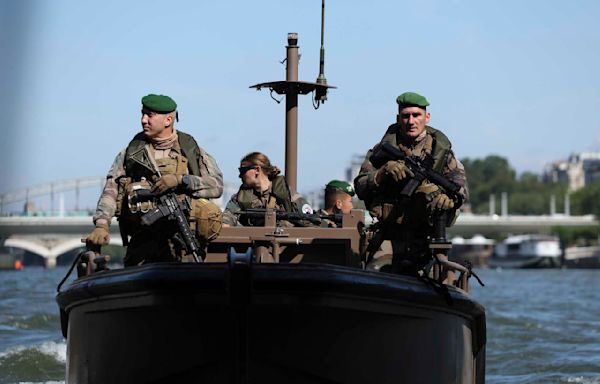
<point>34,364</point>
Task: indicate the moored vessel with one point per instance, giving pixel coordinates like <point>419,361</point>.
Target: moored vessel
<point>527,251</point>
<point>582,257</point>
<point>475,250</point>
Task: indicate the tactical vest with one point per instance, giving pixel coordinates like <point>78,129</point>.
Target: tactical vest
<point>137,163</point>
<point>384,205</point>
<point>279,190</point>
<point>440,146</point>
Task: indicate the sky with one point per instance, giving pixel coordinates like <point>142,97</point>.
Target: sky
<point>512,78</point>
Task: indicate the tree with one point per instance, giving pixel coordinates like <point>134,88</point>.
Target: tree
<point>527,195</point>
<point>492,175</point>
<point>587,200</point>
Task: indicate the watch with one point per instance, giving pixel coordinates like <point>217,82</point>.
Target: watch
<point>185,180</point>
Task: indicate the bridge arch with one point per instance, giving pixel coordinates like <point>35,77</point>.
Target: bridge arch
<point>49,251</point>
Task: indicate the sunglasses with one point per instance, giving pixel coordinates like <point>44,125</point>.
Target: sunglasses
<point>246,168</point>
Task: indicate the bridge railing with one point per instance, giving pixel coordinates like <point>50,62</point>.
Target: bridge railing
<point>50,189</point>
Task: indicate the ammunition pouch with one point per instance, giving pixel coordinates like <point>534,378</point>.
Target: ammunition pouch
<point>386,211</point>
<point>206,220</point>
<point>122,184</point>
<point>138,207</point>
<point>127,212</point>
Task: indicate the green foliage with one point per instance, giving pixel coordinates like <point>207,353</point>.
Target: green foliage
<point>491,175</point>
<point>527,195</point>
<point>581,236</point>
<point>527,203</point>
<point>586,200</point>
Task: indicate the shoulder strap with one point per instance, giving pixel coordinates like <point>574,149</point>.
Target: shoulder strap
<point>244,197</point>
<point>282,193</point>
<point>191,150</point>
<point>441,147</point>
<point>391,134</point>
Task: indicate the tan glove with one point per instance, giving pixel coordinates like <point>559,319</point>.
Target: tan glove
<point>442,201</point>
<point>99,235</point>
<point>396,170</point>
<point>165,183</point>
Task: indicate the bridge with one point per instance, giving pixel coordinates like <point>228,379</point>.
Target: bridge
<point>52,233</point>
<point>50,236</point>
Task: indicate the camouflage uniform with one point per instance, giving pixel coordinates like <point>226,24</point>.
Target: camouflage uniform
<point>326,223</point>
<point>408,221</point>
<point>144,244</point>
<point>277,197</point>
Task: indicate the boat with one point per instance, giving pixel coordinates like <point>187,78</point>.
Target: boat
<point>582,257</point>
<point>474,251</point>
<point>314,315</point>
<point>9,259</point>
<point>272,304</point>
<point>527,251</point>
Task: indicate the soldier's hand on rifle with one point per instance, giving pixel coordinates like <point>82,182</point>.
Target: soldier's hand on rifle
<point>396,170</point>
<point>165,183</point>
<point>99,235</point>
<point>442,201</point>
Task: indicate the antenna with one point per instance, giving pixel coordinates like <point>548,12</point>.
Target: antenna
<point>321,92</point>
<point>291,88</point>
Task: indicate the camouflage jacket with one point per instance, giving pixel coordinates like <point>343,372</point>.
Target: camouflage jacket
<point>448,165</point>
<point>326,223</point>
<point>208,185</point>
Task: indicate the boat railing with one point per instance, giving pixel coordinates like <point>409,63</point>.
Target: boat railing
<point>273,243</point>
<point>345,245</point>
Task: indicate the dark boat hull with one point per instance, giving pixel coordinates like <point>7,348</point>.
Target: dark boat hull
<point>525,262</point>
<point>272,323</point>
<point>582,257</point>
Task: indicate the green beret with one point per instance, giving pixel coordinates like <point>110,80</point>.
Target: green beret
<point>159,103</point>
<point>341,185</point>
<point>411,98</point>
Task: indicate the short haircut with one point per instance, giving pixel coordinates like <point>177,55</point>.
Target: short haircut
<point>332,195</point>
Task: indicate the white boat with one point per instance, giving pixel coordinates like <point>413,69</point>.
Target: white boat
<point>475,250</point>
<point>527,251</point>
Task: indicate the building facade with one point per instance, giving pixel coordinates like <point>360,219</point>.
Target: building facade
<point>579,170</point>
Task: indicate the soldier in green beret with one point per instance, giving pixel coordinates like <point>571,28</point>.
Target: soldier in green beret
<point>407,222</point>
<point>338,199</point>
<point>162,159</point>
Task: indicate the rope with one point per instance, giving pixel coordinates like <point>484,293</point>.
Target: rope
<point>69,272</point>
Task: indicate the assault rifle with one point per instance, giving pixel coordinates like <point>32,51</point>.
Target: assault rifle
<point>421,170</point>
<point>170,207</point>
<point>315,218</point>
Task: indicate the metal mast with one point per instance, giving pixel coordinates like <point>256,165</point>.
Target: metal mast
<point>291,88</point>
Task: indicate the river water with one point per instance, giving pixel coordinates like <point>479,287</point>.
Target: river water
<point>543,326</point>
